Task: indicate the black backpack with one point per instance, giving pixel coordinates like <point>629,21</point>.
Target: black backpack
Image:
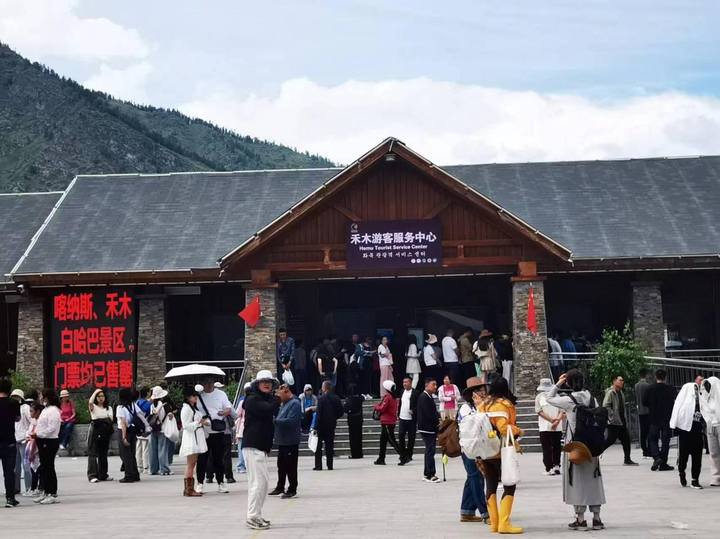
<point>590,425</point>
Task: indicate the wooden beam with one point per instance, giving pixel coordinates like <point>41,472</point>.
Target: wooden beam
<point>438,209</point>
<point>346,212</point>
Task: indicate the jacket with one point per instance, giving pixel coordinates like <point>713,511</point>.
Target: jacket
<point>659,399</point>
<point>428,418</point>
<point>710,401</point>
<point>329,410</point>
<point>388,408</point>
<point>259,426</point>
<point>502,424</point>
<point>614,401</point>
<point>287,423</point>
<point>353,406</point>
<point>683,411</point>
<point>640,389</point>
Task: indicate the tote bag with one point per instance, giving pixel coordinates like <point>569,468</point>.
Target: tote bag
<point>510,461</point>
<point>170,430</point>
<point>313,441</point>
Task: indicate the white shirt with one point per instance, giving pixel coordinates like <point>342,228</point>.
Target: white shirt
<point>23,426</point>
<point>449,347</point>
<point>126,413</point>
<point>555,352</point>
<point>429,356</point>
<point>385,356</point>
<point>405,411</point>
<point>216,402</point>
<point>48,425</point>
<point>541,404</point>
<point>98,412</point>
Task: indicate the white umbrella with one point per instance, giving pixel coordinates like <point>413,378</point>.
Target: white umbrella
<point>195,369</point>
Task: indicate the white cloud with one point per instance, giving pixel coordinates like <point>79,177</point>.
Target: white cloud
<point>455,123</point>
<point>124,83</point>
<point>43,28</point>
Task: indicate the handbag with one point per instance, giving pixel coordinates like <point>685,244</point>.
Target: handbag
<point>509,461</point>
<point>313,441</point>
<point>288,378</point>
<point>170,430</point>
<point>216,425</point>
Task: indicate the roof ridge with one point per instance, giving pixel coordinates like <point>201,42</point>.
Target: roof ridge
<point>202,172</point>
<point>582,161</point>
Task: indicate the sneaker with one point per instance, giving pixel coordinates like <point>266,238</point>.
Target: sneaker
<point>556,470</point>
<point>199,488</point>
<point>630,463</point>
<point>316,469</point>
<point>40,497</point>
<point>223,489</point>
<point>433,479</point>
<point>94,480</point>
<point>241,470</point>
<point>264,520</point>
<point>646,457</point>
<point>276,492</point>
<point>11,502</point>
<point>288,494</point>
<point>578,526</point>
<point>696,485</point>
<point>665,468</point>
<point>254,524</point>
<point>598,524</point>
<point>49,500</point>
<point>683,480</point>
<point>655,466</point>
<point>379,462</point>
<point>230,480</point>
<point>29,494</point>
<point>548,472</point>
<point>62,447</point>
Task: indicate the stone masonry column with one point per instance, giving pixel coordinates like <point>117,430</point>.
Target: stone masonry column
<point>647,316</point>
<point>260,341</point>
<point>530,350</point>
<point>151,353</point>
<point>30,343</point>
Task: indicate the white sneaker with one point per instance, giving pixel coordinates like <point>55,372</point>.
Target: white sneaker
<point>257,524</point>
<point>199,488</point>
<point>222,488</point>
<point>548,472</point>
<point>94,480</point>
<point>40,497</point>
<point>49,500</point>
<point>29,494</point>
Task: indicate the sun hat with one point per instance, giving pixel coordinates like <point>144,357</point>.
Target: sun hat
<point>389,385</point>
<point>219,385</point>
<point>545,385</point>
<point>158,393</point>
<point>432,339</point>
<point>472,383</point>
<point>265,376</point>
<point>578,452</point>
<point>307,386</point>
<point>18,393</point>
<point>247,386</point>
<point>64,393</point>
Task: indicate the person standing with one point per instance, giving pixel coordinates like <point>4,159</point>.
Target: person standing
<point>142,446</point>
<point>388,410</point>
<point>428,421</point>
<point>68,415</point>
<point>327,364</point>
<point>504,351</point>
<point>260,406</point>
<point>550,422</point>
<point>366,368</point>
<point>239,429</point>
<point>218,408</point>
<point>614,401</point>
<point>448,395</point>
<point>386,364</point>
<point>582,481</point>
<point>430,358</point>
<point>556,357</point>
<point>47,432</point>
<point>643,414</point>
<point>412,363</point>
<point>450,356</point>
<point>487,357</point>
<point>408,423</point>
<point>300,363</point>
<point>710,409</point>
<point>287,440</point>
<point>329,410</point>
<point>193,442</point>
<point>687,421</point>
<point>353,407</point>
<point>158,443</point>
<point>227,454</point>
<point>21,431</point>
<point>9,415</point>
<point>473,496</point>
<point>101,430</point>
<point>130,424</point>
<point>467,358</point>
<point>499,399</point>
<point>659,399</point>
<point>285,353</point>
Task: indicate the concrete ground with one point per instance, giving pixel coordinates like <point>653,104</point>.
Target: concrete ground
<point>358,499</point>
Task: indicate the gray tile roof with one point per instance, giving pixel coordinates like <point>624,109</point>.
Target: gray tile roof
<point>20,217</point>
<point>598,209</point>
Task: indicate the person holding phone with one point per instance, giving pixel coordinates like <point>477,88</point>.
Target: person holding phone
<point>214,403</point>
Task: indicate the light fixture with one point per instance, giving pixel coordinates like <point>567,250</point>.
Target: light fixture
<point>389,157</point>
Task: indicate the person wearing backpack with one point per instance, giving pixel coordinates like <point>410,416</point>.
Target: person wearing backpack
<point>473,496</point>
<point>129,426</point>
<point>499,399</point>
<point>582,481</point>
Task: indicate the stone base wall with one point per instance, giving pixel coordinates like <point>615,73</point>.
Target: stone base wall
<point>151,353</point>
<point>647,316</point>
<point>530,350</point>
<point>30,344</point>
<point>260,341</point>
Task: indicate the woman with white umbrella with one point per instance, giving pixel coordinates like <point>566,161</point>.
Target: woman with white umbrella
<point>193,438</point>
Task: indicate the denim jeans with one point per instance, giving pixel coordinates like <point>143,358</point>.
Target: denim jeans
<point>21,465</point>
<point>473,496</point>
<point>158,453</point>
<point>66,430</point>
<point>241,459</point>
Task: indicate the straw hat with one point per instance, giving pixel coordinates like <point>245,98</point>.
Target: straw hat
<point>578,452</point>
<point>432,339</point>
<point>158,393</point>
<point>18,393</point>
<point>545,385</point>
<point>64,393</point>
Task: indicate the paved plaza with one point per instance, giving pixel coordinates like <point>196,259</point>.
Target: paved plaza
<point>358,499</point>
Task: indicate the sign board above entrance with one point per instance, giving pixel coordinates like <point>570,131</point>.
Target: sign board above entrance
<point>394,244</point>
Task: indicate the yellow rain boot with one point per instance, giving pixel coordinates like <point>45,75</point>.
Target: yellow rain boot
<point>493,512</point>
<point>504,525</point>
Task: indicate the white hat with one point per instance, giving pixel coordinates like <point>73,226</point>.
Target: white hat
<point>247,386</point>
<point>389,385</point>
<point>158,393</point>
<point>432,339</point>
<point>307,386</point>
<point>545,385</point>
<point>18,393</point>
<point>199,388</point>
<point>64,393</point>
<point>265,376</point>
<point>219,385</point>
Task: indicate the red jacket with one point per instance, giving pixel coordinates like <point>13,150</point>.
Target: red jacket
<point>388,408</point>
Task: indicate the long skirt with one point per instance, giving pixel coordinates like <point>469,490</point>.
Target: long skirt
<point>582,483</point>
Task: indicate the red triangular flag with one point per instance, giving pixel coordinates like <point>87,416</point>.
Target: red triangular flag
<point>251,313</point>
<point>531,321</point>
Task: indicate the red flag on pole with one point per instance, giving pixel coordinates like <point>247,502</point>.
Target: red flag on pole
<point>531,320</point>
<point>251,313</point>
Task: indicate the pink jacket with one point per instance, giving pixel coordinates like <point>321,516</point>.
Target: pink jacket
<point>240,421</point>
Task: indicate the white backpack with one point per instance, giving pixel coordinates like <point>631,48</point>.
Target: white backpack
<point>478,438</point>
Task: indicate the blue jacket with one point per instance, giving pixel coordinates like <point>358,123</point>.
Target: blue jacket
<point>287,423</point>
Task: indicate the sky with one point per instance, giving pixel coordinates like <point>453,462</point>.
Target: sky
<point>471,81</point>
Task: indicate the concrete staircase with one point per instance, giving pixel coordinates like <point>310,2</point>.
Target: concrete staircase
<point>527,421</point>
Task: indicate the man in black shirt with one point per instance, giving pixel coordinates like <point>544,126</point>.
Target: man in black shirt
<point>9,414</point>
<point>659,399</point>
<point>329,410</point>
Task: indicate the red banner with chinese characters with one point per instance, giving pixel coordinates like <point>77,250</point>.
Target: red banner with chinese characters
<point>92,339</point>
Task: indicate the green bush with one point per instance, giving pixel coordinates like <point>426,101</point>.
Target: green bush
<point>617,354</point>
<point>20,381</point>
<point>82,412</point>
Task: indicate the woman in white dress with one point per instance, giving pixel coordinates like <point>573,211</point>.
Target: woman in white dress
<point>193,438</point>
<point>386,364</point>
<point>412,366</point>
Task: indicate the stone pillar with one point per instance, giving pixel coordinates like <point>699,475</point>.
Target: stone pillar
<point>151,353</point>
<point>530,350</point>
<point>647,316</point>
<point>260,341</point>
<point>30,343</point>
